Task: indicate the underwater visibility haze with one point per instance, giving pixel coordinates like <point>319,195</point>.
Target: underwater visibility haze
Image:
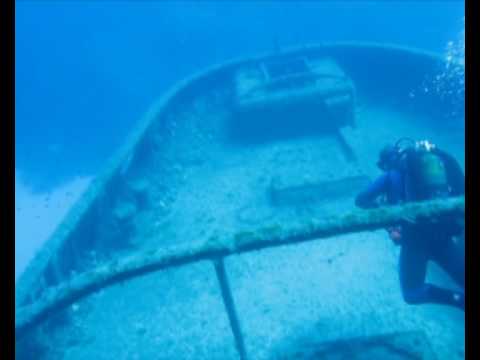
<point>239,180</point>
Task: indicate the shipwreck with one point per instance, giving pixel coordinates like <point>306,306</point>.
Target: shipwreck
<point>225,228</point>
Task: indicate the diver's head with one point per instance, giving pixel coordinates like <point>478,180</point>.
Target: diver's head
<point>388,157</point>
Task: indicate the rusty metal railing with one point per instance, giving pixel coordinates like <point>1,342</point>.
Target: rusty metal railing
<point>215,249</point>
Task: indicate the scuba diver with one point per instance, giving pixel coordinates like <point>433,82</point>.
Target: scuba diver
<point>416,172</point>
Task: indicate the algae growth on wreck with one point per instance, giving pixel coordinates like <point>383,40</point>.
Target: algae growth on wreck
<point>224,225</point>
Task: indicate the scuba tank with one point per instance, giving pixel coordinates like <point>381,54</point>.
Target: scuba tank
<point>425,172</point>
<point>426,176</point>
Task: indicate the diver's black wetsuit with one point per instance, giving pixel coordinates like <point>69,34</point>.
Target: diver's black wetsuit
<point>421,243</point>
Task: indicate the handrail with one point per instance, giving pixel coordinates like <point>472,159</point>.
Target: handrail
<point>145,262</point>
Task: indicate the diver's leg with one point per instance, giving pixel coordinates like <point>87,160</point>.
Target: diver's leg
<point>451,258</point>
<point>412,272</point>
<point>414,256</point>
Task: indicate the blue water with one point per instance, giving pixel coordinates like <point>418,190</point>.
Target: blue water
<point>87,71</point>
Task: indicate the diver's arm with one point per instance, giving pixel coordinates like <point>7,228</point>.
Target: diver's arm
<point>366,199</point>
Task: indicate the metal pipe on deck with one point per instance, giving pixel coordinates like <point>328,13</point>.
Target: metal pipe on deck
<point>227,297</point>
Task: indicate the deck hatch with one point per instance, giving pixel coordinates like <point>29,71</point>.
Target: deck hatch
<point>305,96</point>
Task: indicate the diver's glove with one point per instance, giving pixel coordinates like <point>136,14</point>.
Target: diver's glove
<point>395,233</point>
